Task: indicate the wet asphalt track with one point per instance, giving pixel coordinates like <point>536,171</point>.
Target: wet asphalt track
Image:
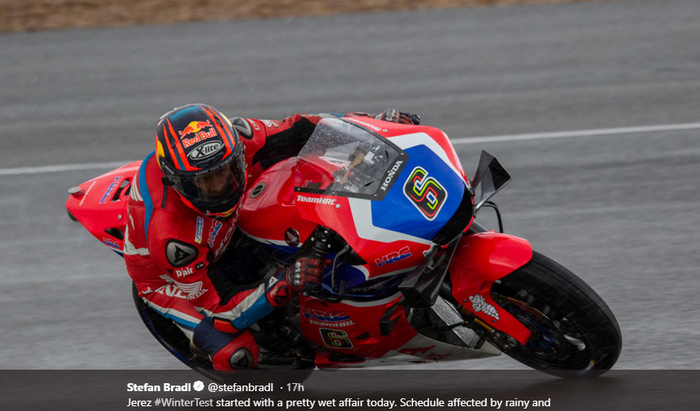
<point>620,210</point>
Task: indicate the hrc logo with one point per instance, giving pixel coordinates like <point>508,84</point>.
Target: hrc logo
<point>391,258</point>
<point>425,193</point>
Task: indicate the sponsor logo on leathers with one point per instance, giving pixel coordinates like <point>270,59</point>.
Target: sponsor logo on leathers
<point>224,242</point>
<point>198,233</point>
<point>271,123</point>
<point>213,232</point>
<point>188,291</point>
<point>184,272</point>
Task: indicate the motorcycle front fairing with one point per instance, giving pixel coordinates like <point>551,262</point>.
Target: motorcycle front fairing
<point>386,201</point>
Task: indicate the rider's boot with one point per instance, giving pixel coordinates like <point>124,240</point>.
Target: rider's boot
<point>227,351</point>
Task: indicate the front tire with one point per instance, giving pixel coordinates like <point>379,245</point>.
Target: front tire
<point>574,333</point>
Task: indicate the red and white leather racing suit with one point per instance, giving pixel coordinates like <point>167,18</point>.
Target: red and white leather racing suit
<point>169,248</point>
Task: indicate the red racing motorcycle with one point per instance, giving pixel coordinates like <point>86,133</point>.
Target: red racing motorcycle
<point>413,277</point>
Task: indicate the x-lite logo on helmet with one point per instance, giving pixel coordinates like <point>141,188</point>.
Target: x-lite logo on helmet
<point>425,193</point>
<point>205,150</point>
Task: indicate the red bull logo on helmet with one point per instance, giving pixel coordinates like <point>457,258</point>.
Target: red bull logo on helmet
<point>197,128</point>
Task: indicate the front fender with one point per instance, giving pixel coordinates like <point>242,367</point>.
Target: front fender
<point>479,260</point>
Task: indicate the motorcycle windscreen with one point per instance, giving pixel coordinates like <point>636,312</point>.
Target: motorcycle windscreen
<point>343,159</point>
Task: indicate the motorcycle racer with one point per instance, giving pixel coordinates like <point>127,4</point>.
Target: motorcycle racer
<point>182,213</point>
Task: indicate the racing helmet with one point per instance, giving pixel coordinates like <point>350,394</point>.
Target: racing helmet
<point>202,158</point>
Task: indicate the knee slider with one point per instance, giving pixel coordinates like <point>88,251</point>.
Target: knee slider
<point>241,353</point>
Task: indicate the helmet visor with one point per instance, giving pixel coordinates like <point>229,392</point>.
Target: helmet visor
<point>218,190</point>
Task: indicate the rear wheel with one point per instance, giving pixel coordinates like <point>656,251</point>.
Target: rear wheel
<point>168,334</point>
<point>574,333</point>
<point>175,341</point>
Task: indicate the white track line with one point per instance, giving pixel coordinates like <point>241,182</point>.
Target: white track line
<point>581,133</point>
<point>61,168</point>
<point>455,141</point>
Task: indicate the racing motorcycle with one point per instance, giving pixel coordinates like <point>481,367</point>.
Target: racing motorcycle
<point>413,277</point>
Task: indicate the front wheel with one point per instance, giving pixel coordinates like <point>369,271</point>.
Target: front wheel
<point>574,333</point>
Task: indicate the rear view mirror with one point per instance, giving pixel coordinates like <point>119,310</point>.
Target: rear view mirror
<point>490,176</point>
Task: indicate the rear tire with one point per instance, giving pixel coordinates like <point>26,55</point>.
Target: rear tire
<point>168,334</point>
<point>175,341</point>
<point>574,333</point>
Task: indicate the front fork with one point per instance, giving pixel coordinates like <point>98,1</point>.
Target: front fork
<point>479,260</point>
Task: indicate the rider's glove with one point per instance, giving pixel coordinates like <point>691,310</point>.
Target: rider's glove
<point>306,272</point>
<point>278,291</point>
<point>395,116</point>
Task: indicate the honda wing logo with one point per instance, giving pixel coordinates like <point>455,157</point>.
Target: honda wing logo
<point>425,193</point>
